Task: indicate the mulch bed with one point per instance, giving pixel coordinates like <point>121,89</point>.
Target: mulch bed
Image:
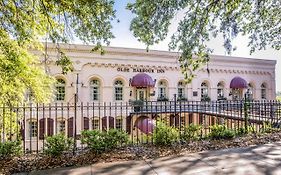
<point>29,163</point>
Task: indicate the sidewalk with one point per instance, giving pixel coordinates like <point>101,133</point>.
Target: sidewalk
<point>254,160</point>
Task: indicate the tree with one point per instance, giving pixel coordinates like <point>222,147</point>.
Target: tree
<point>24,25</point>
<point>203,20</point>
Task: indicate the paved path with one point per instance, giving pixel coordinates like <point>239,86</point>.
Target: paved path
<point>254,160</point>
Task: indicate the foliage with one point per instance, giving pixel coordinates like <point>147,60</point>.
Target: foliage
<point>9,149</point>
<point>100,141</point>
<point>164,134</point>
<point>181,98</point>
<point>245,130</point>
<point>268,128</point>
<point>137,104</point>
<point>25,24</point>
<point>206,98</point>
<point>191,132</point>
<point>56,145</point>
<point>221,132</point>
<point>204,20</point>
<point>162,98</point>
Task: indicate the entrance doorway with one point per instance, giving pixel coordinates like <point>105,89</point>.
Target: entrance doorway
<point>141,94</point>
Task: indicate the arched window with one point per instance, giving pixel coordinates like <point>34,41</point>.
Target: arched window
<point>60,90</point>
<point>204,90</point>
<point>263,91</point>
<point>162,90</point>
<point>33,128</point>
<point>220,90</point>
<point>250,91</point>
<point>95,90</point>
<point>118,90</point>
<point>181,90</point>
<point>96,123</point>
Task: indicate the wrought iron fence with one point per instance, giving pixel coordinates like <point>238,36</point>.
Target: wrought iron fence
<point>32,123</point>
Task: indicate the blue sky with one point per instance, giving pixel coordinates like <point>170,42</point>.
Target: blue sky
<point>125,38</point>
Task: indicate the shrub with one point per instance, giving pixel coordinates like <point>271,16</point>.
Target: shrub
<point>165,135</point>
<point>100,141</point>
<point>57,144</point>
<point>221,132</point>
<point>115,137</point>
<point>9,149</point>
<point>191,132</point>
<point>244,131</point>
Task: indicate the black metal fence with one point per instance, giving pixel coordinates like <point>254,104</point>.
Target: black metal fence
<point>32,123</point>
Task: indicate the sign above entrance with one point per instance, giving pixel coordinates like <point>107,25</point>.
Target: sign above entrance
<point>145,70</point>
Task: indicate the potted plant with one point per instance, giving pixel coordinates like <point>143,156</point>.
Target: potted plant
<point>137,105</point>
<point>162,98</point>
<point>205,98</point>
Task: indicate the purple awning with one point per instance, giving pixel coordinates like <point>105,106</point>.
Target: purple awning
<point>142,80</point>
<point>238,82</point>
<point>145,125</point>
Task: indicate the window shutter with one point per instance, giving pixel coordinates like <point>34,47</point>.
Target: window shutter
<point>70,127</point>
<point>111,122</point>
<point>86,123</point>
<point>190,118</point>
<point>128,124</point>
<point>41,128</point>
<point>172,120</point>
<point>104,123</point>
<point>50,127</point>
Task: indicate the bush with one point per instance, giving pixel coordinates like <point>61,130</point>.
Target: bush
<point>57,144</point>
<point>221,132</point>
<point>101,141</point>
<point>191,132</point>
<point>165,135</point>
<point>9,149</point>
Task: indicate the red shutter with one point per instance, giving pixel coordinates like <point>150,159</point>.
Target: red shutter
<point>111,122</point>
<point>128,124</point>
<point>172,120</point>
<point>50,127</point>
<point>104,123</point>
<point>86,123</point>
<point>190,118</point>
<point>70,127</point>
<point>41,128</point>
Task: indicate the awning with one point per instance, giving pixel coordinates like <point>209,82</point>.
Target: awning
<point>238,82</point>
<point>142,80</point>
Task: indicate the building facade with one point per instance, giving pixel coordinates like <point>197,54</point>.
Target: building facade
<point>104,85</point>
<point>123,74</point>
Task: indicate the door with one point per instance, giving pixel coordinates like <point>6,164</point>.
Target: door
<point>141,94</point>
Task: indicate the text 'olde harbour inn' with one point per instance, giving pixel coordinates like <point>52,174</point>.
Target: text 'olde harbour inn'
<point>106,83</point>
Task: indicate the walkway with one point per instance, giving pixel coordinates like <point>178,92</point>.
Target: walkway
<point>254,160</point>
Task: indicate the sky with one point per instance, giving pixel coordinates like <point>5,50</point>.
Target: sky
<point>125,38</point>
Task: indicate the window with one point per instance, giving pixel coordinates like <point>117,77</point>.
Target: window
<point>60,90</point>
<point>95,123</point>
<point>162,88</point>
<point>95,90</point>
<point>33,129</point>
<point>181,92</point>
<point>61,126</point>
<point>204,90</point>
<point>119,123</point>
<point>250,91</point>
<point>220,91</point>
<point>29,95</point>
<point>118,90</point>
<point>263,91</point>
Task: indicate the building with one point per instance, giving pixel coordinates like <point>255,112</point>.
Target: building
<point>124,74</point>
<point>105,83</point>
